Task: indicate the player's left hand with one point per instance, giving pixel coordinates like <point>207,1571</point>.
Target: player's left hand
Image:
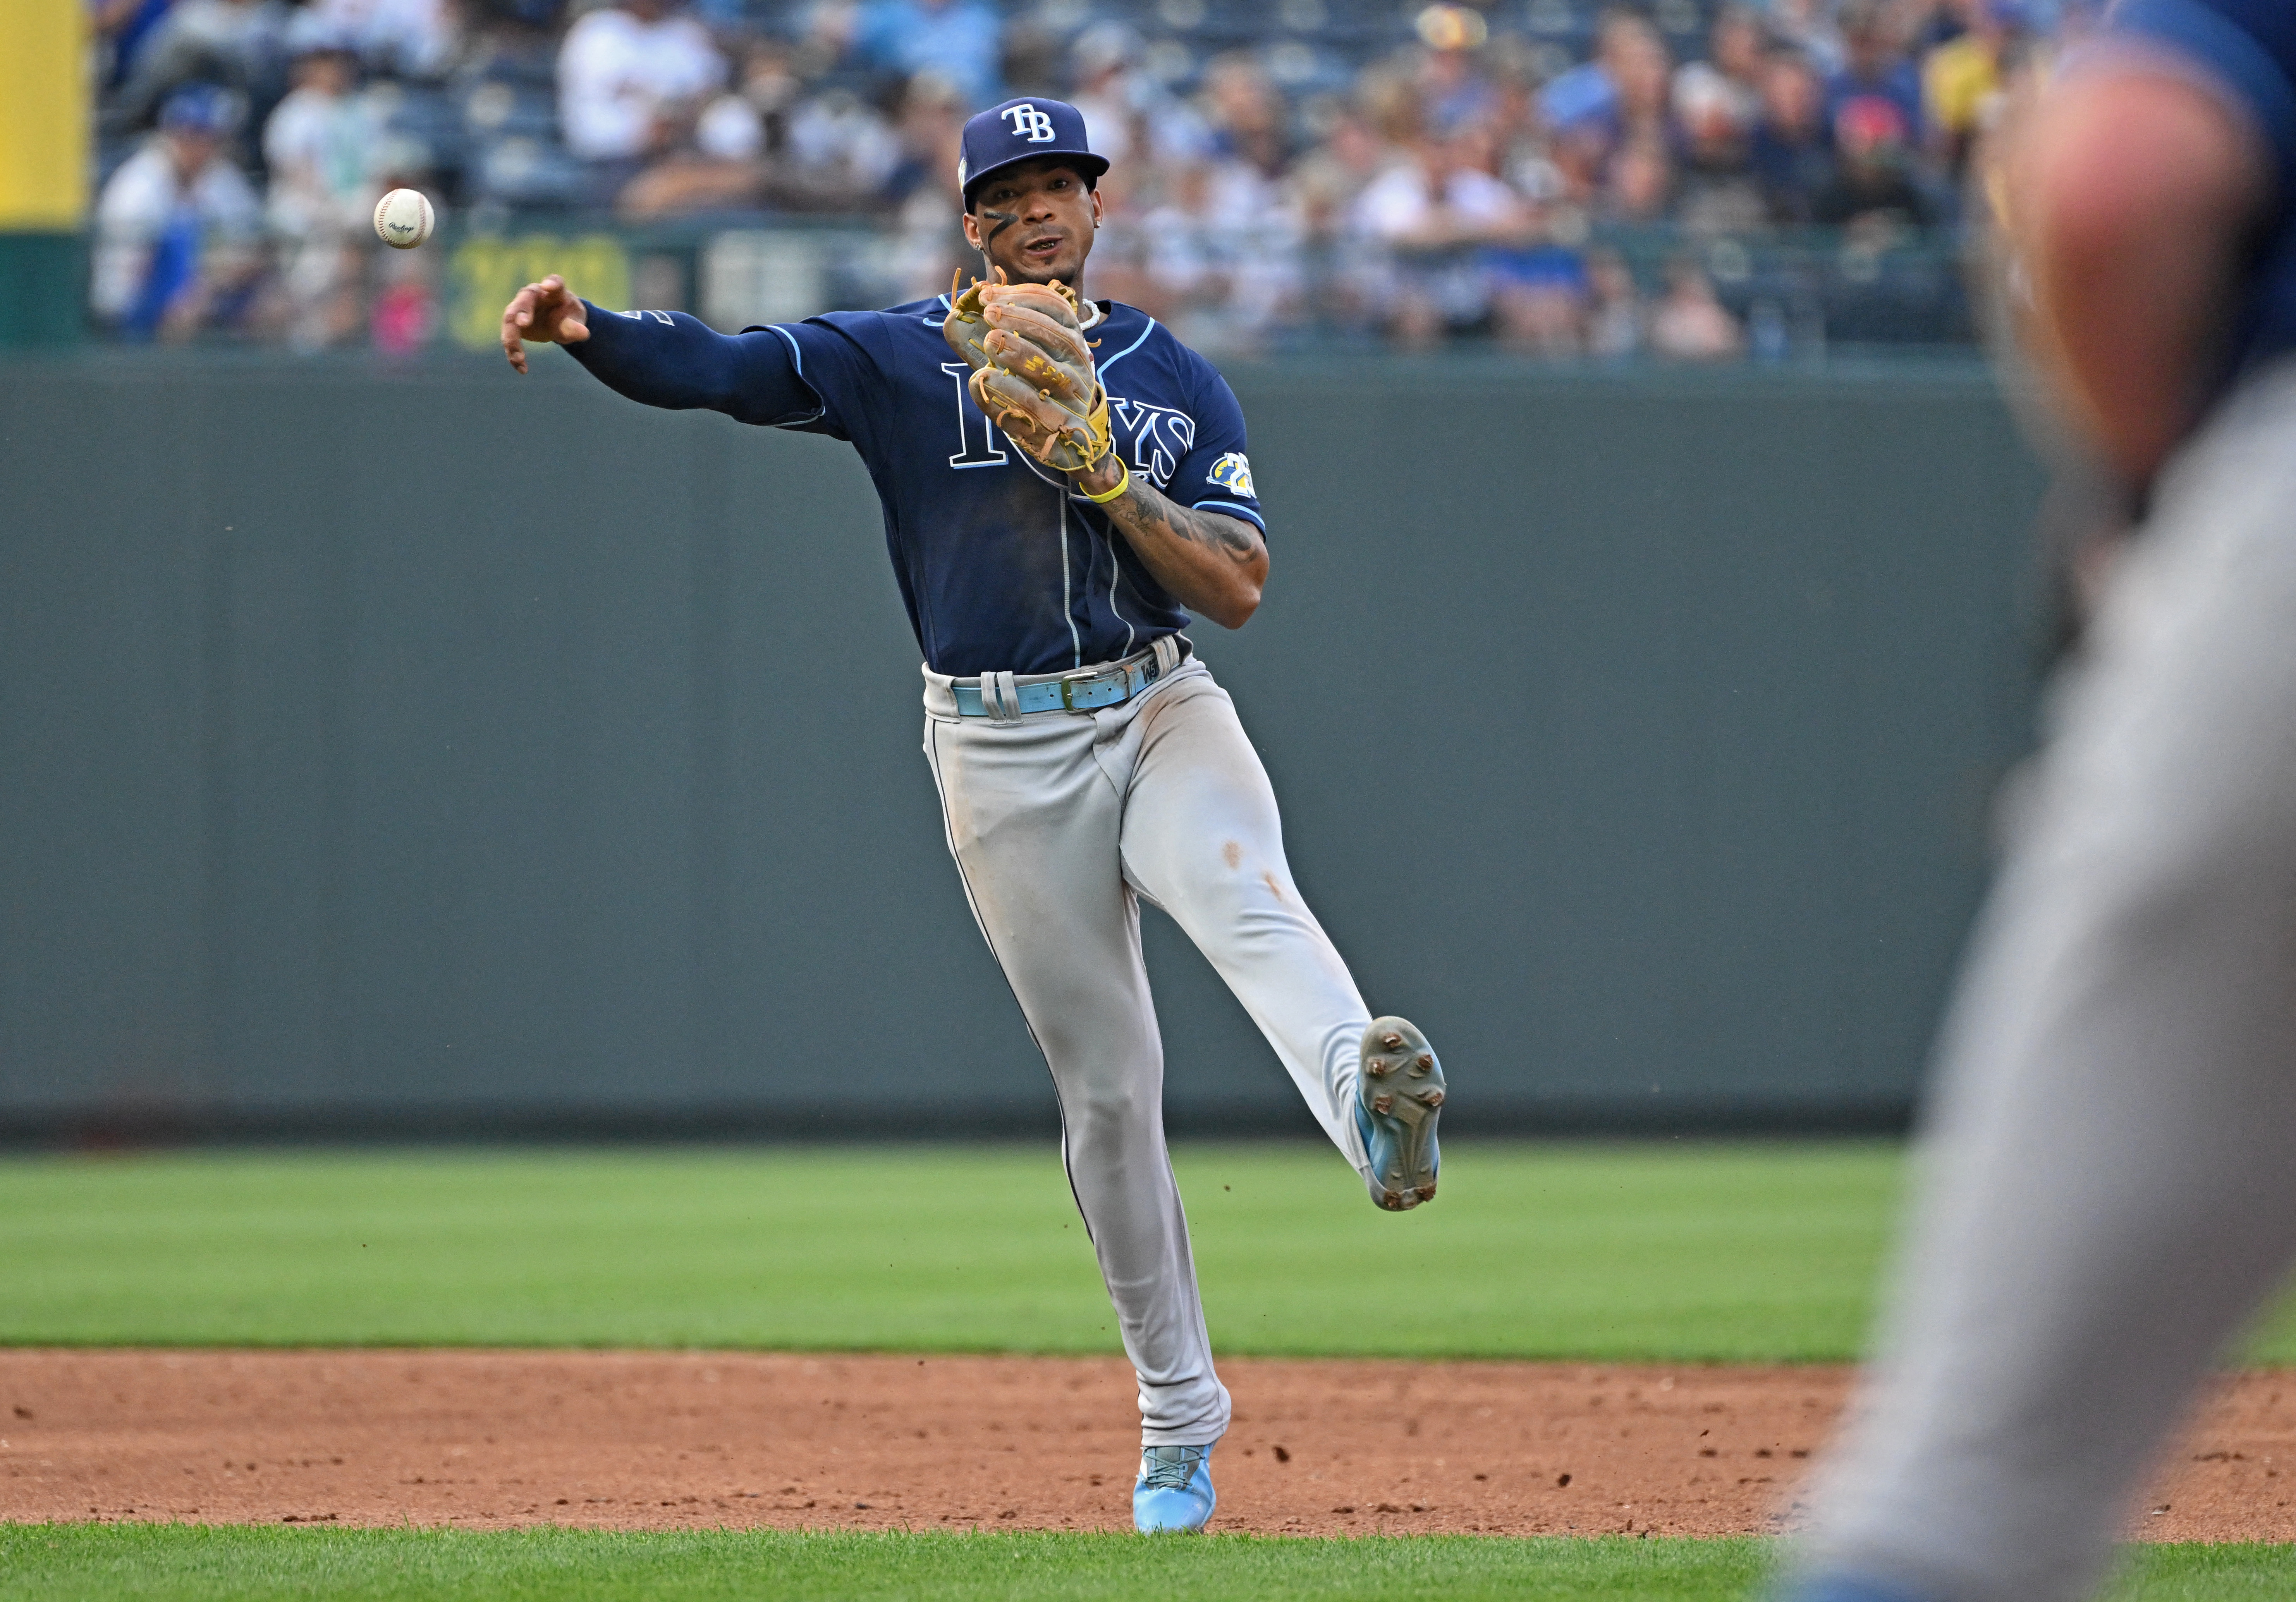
<point>1032,369</point>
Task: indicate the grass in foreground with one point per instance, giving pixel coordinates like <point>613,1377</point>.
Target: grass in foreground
<point>49,1562</point>
<point>1669,1252</point>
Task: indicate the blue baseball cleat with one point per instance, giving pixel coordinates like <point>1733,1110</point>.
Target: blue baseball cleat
<point>1175,1490</point>
<point>1398,1097</point>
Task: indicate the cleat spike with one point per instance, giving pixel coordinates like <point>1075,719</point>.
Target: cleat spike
<point>1398,1121</point>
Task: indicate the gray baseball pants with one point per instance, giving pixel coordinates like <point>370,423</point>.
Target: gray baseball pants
<point>1062,823</point>
<point>2107,1183</point>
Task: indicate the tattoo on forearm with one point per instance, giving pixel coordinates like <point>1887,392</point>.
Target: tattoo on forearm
<point>1142,509</point>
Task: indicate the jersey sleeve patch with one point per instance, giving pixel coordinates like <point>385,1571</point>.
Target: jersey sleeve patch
<point>1232,472</point>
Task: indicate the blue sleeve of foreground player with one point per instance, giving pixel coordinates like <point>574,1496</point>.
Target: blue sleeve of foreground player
<point>670,359</point>
<point>2248,46</point>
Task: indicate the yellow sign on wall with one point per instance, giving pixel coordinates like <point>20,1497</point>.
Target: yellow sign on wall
<point>487,270</point>
<point>44,115</point>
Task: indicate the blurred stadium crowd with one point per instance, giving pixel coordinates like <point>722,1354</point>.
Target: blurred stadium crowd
<point>1687,179</point>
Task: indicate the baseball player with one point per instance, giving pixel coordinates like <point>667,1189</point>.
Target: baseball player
<point>1064,483</point>
<point>2108,1186</point>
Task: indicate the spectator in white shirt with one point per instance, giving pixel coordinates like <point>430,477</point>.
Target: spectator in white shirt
<point>1102,60</point>
<point>1433,213</point>
<point>408,39</point>
<point>321,145</point>
<point>176,225</point>
<point>631,78</point>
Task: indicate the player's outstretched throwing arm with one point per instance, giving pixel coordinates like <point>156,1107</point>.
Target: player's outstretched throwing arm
<point>661,358</point>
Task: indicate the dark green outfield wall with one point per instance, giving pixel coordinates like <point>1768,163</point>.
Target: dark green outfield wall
<point>386,752</point>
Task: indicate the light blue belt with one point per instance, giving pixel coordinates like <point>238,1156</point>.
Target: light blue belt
<point>997,694</point>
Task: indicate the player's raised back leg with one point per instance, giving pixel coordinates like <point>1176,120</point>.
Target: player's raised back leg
<point>1203,840</point>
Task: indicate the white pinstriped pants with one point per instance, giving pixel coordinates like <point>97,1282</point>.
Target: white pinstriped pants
<point>1061,822</point>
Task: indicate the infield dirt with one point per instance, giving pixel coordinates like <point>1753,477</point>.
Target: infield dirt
<point>620,1439</point>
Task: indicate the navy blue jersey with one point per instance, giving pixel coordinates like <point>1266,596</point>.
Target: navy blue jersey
<point>2248,48</point>
<point>1003,566</point>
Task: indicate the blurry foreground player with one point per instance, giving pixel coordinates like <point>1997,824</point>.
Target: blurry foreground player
<point>1087,761</point>
<point>2109,1187</point>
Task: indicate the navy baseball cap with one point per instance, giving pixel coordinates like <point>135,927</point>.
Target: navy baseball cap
<point>1024,130</point>
<point>201,109</point>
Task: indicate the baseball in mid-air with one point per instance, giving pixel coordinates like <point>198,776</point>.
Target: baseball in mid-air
<point>404,219</point>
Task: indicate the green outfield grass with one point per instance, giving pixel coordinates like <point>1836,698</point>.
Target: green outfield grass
<point>50,1562</point>
<point>1668,1251</point>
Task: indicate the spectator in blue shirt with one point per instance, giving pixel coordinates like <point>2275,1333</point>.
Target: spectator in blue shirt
<point>123,26</point>
<point>1584,101</point>
<point>957,38</point>
<point>1595,109</point>
<point>1876,74</point>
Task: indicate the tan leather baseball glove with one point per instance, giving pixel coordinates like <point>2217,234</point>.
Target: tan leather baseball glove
<point>1032,368</point>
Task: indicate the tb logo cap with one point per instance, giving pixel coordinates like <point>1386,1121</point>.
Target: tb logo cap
<point>1029,124</point>
<point>1024,130</point>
